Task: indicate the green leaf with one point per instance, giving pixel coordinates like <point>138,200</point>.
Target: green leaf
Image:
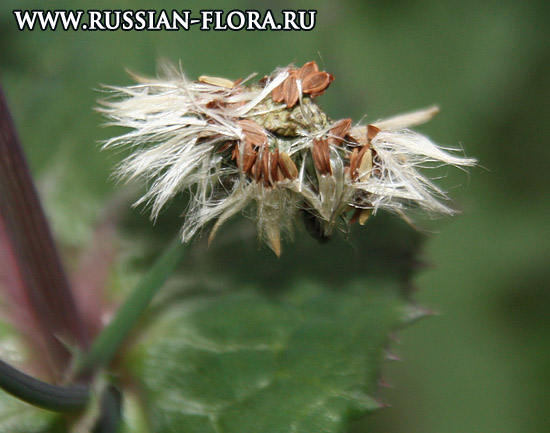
<point>306,360</point>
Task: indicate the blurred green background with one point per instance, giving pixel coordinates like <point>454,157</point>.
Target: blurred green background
<point>482,364</point>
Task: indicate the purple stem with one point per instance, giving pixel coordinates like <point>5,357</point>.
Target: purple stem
<point>44,282</point>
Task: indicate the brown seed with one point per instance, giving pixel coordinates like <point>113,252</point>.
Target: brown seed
<point>235,105</point>
<point>263,81</point>
<point>372,131</point>
<point>355,216</point>
<point>254,133</point>
<point>306,70</point>
<point>293,73</point>
<point>216,104</point>
<point>326,157</point>
<point>289,169</point>
<point>278,94</point>
<point>365,163</point>
<point>315,82</point>
<point>317,155</point>
<point>331,79</point>
<point>364,215</point>
<point>235,154</point>
<point>360,162</point>
<point>321,156</point>
<point>339,131</point>
<point>273,162</point>
<point>280,174</point>
<point>290,90</point>
<point>226,146</point>
<point>353,163</point>
<point>265,166</point>
<point>249,157</point>
<point>358,135</point>
<point>255,171</point>
<point>217,81</point>
<point>274,239</point>
<point>361,215</point>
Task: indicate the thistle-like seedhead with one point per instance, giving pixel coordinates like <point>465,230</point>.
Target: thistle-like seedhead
<point>231,144</point>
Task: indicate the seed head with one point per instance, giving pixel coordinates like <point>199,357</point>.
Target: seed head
<point>269,146</point>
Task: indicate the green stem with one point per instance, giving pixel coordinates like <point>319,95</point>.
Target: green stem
<point>42,394</point>
<point>110,409</point>
<point>105,346</point>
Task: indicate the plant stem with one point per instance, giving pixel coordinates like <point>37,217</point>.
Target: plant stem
<point>105,346</point>
<point>44,286</point>
<point>111,410</point>
<point>42,394</point>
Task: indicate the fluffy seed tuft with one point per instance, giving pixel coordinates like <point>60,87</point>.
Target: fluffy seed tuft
<point>268,145</point>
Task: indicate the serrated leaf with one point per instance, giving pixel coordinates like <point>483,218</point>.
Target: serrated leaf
<point>303,361</point>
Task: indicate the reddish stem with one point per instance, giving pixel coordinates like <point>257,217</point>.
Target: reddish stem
<point>44,282</point>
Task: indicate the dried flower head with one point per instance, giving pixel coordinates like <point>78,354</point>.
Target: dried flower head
<point>231,144</point>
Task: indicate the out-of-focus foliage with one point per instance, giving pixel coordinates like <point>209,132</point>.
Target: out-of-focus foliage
<point>16,416</point>
<point>483,364</point>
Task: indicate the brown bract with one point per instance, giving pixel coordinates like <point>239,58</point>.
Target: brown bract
<point>313,83</point>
